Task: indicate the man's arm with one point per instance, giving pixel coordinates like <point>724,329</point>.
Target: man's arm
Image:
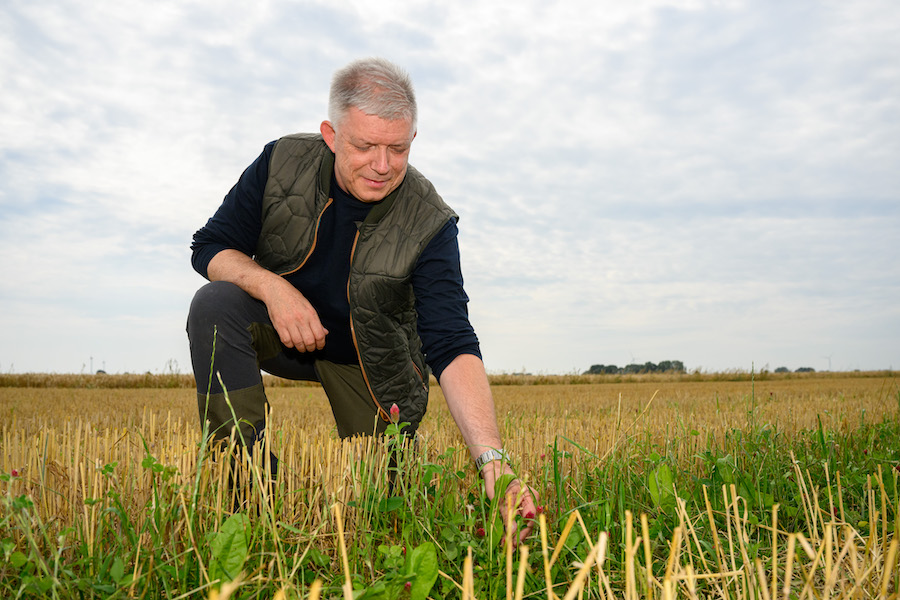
<point>293,317</point>
<point>468,394</point>
<point>237,222</point>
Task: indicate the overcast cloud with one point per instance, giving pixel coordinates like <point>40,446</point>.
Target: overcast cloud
<point>715,182</point>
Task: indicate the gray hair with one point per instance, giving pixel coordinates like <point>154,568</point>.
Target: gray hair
<point>375,86</point>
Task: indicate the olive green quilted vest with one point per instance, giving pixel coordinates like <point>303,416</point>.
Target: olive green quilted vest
<point>388,243</point>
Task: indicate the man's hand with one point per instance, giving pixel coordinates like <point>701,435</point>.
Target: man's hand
<point>519,496</point>
<point>293,317</point>
<point>468,394</point>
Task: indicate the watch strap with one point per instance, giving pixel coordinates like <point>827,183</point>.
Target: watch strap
<point>488,456</point>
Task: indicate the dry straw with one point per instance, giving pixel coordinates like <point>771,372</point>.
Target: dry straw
<point>75,447</point>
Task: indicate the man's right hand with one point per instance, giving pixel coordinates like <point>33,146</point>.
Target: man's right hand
<point>293,317</point>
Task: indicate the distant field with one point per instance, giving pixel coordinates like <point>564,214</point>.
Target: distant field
<point>177,380</point>
<point>114,495</point>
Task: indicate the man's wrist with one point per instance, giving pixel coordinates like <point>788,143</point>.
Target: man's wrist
<point>489,456</point>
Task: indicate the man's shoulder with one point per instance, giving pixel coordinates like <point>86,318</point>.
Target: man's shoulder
<point>301,141</point>
<point>302,137</point>
<point>417,185</point>
<point>420,188</point>
<point>300,153</point>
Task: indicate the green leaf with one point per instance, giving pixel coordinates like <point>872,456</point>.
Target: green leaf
<point>230,548</point>
<point>22,502</point>
<point>574,539</point>
<point>316,558</point>
<point>725,469</point>
<point>661,483</point>
<point>390,504</point>
<point>449,534</point>
<point>376,591</point>
<point>8,546</point>
<point>495,525</point>
<point>423,567</point>
<point>117,570</point>
<point>17,560</point>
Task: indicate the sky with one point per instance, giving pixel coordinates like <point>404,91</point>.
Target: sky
<point>715,182</point>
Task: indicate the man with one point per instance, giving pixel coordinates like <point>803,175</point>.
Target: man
<point>335,261</point>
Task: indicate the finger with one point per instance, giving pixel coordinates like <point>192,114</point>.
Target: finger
<point>320,334</point>
<point>304,338</point>
<point>528,510</point>
<point>527,528</point>
<point>308,340</point>
<point>296,337</point>
<point>310,343</point>
<point>286,337</point>
<point>316,340</point>
<point>313,334</point>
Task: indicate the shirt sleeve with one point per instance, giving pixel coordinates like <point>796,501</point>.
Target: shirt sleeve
<point>238,221</point>
<point>441,302</point>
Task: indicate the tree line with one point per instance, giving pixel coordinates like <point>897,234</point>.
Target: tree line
<point>666,366</point>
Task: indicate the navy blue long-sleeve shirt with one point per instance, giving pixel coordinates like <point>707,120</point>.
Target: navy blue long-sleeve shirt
<point>443,321</point>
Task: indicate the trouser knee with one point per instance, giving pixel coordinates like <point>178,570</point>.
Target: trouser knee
<point>216,306</point>
<point>219,328</point>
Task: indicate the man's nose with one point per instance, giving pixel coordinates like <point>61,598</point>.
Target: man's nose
<point>380,161</point>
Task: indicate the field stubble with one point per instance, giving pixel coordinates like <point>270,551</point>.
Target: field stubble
<point>611,461</point>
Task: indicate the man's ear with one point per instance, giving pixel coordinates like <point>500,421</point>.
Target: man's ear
<point>328,133</point>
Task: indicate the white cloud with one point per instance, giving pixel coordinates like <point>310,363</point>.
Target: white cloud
<point>713,182</point>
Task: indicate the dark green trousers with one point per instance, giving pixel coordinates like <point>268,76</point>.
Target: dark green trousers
<point>351,404</point>
<point>232,340</point>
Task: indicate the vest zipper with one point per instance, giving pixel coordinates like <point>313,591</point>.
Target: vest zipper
<point>381,412</point>
<point>421,377</point>
<point>315,240</point>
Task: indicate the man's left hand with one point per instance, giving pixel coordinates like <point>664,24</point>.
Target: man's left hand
<point>519,496</point>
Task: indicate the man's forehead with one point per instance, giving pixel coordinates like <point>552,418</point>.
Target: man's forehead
<point>380,139</point>
<point>364,127</point>
<point>373,138</point>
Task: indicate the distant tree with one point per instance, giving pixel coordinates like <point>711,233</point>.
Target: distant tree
<point>782,370</point>
<point>805,370</point>
<point>666,366</point>
<point>603,370</point>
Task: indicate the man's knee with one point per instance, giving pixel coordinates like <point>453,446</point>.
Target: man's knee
<point>215,298</point>
<point>222,306</point>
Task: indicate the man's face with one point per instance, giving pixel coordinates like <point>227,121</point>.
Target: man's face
<point>370,153</point>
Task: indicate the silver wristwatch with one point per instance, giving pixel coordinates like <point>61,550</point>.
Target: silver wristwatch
<point>492,454</point>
